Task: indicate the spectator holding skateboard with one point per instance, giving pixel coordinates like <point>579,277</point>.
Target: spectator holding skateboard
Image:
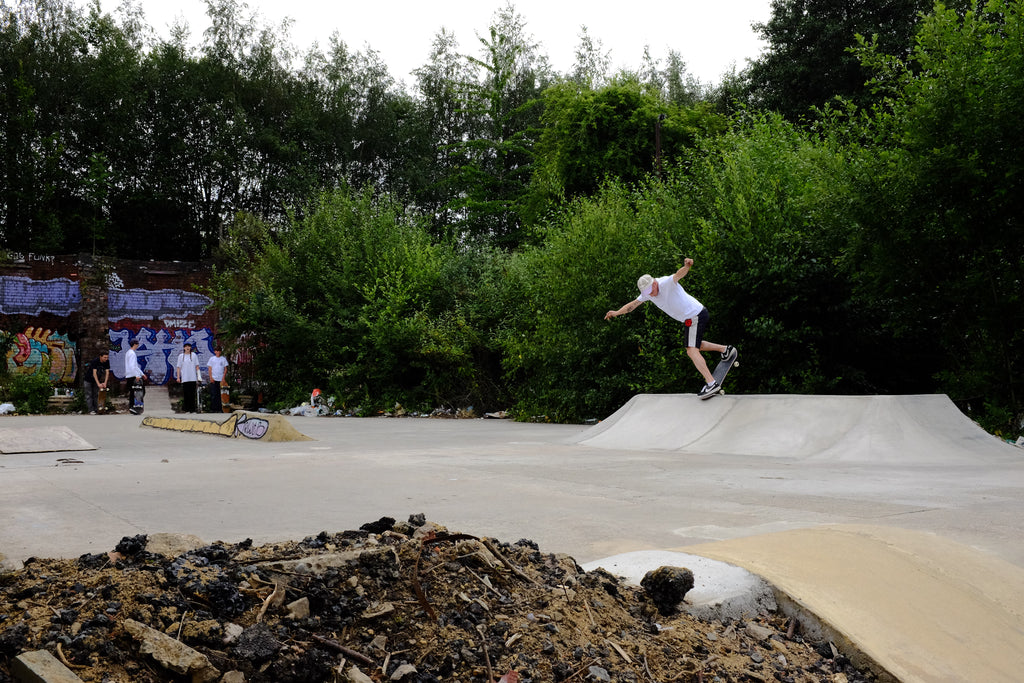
<point>668,295</point>
<point>97,374</point>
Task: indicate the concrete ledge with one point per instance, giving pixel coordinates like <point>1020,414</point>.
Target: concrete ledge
<point>240,425</point>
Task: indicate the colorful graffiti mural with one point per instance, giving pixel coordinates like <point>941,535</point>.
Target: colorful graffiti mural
<point>161,319</point>
<point>158,350</point>
<point>35,347</point>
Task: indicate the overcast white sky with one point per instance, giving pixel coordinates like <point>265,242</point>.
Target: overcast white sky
<point>710,36</point>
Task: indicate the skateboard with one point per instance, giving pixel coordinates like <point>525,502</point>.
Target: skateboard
<point>138,397</point>
<point>225,397</point>
<point>721,370</point>
<point>101,401</point>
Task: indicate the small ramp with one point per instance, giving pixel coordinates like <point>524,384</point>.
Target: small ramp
<point>907,428</point>
<point>240,425</point>
<point>41,440</point>
<point>917,606</point>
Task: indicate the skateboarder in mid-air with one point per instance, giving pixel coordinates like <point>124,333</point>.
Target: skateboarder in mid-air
<point>668,295</point>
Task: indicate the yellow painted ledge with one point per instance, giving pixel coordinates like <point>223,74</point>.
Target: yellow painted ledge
<point>240,425</point>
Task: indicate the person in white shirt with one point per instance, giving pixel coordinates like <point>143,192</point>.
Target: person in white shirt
<point>216,368</point>
<point>187,372</point>
<point>668,295</point>
<point>132,374</point>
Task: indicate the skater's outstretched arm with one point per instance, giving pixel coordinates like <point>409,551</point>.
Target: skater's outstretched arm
<point>681,273</point>
<point>631,306</point>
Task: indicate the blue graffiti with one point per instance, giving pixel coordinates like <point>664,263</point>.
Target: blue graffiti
<point>158,350</point>
<point>25,296</point>
<point>61,296</point>
<point>159,303</point>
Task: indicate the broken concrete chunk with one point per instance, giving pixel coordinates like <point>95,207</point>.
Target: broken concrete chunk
<point>39,666</point>
<point>758,632</point>
<point>299,609</point>
<point>403,671</point>
<point>172,545</point>
<point>171,654</point>
<point>378,609</point>
<point>318,564</point>
<point>357,676</point>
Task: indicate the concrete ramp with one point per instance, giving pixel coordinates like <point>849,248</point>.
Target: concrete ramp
<point>42,440</point>
<point>241,425</point>
<point>914,605</point>
<point>917,428</point>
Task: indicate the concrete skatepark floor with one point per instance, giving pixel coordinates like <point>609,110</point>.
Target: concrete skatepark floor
<point>898,464</point>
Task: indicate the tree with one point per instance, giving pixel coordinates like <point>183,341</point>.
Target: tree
<point>41,119</point>
<point>590,135</point>
<point>505,108</point>
<point>447,122</point>
<point>590,70</point>
<point>808,60</point>
<point>943,203</point>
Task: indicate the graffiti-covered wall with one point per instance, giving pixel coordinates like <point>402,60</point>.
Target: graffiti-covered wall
<point>65,309</point>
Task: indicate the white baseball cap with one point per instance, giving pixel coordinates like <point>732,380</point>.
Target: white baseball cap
<point>644,284</point>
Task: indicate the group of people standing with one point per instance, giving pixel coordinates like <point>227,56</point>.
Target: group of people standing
<point>187,372</point>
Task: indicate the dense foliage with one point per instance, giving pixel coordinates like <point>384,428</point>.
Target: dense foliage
<point>459,244</point>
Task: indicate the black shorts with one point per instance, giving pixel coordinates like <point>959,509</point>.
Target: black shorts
<point>696,328</point>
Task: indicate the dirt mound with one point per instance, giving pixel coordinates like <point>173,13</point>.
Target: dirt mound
<point>404,602</point>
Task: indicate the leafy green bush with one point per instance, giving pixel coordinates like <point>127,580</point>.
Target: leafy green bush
<point>28,392</point>
<point>563,360</point>
<point>353,297</point>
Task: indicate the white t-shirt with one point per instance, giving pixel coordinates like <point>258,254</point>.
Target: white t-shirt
<point>217,365</point>
<point>674,300</point>
<point>188,366</point>
<point>131,364</point>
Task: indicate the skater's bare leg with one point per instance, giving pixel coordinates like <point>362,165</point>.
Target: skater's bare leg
<point>698,361</point>
<point>711,346</point>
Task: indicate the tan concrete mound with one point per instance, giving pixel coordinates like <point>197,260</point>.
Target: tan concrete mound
<point>241,425</point>
<point>922,607</point>
<point>920,428</point>
<point>42,440</point>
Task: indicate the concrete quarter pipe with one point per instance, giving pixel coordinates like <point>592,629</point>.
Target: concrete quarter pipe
<point>913,428</point>
<point>917,607</point>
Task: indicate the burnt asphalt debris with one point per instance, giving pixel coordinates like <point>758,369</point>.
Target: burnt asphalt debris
<point>402,601</point>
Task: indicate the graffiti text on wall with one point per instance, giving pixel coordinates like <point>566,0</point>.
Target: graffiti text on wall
<point>158,350</point>
<point>61,296</point>
<point>35,346</point>
<point>21,257</point>
<point>25,296</point>
<point>159,303</point>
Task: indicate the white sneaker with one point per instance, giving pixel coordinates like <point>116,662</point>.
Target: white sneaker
<point>709,390</point>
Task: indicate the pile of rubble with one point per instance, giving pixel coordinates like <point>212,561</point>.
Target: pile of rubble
<point>404,601</point>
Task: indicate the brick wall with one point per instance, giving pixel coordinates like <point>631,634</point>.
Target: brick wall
<point>65,309</point>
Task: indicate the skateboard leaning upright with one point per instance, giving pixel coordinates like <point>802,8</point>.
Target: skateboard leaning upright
<point>719,373</point>
<point>225,396</point>
<point>137,397</point>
